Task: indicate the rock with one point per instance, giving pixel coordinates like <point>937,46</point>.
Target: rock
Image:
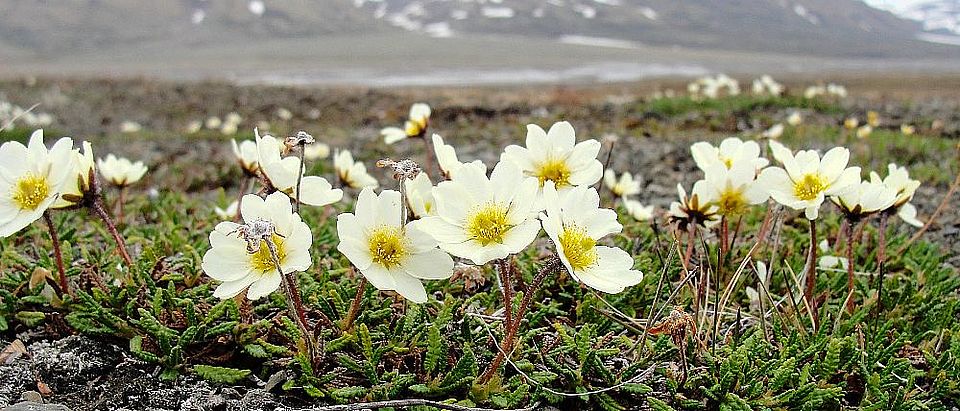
<point>36,406</point>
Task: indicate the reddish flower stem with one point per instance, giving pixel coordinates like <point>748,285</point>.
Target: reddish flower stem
<point>57,254</point>
<point>97,207</point>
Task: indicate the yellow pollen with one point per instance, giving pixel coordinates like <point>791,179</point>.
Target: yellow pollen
<point>29,191</point>
<point>578,247</point>
<point>388,246</point>
<point>488,224</point>
<point>262,261</point>
<point>727,161</point>
<point>553,170</point>
<point>414,128</point>
<point>732,202</point>
<point>809,187</point>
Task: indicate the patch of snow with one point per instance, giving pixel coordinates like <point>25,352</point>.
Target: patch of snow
<point>198,16</point>
<point>649,13</point>
<point>608,2</point>
<point>805,14</point>
<point>939,38</point>
<point>497,12</point>
<point>257,7</point>
<point>597,42</point>
<point>438,30</point>
<point>459,14</point>
<point>586,11</point>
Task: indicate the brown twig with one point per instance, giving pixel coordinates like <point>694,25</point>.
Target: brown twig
<point>97,206</point>
<point>57,254</point>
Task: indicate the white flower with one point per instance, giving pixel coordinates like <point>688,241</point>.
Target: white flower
<point>120,171</point>
<point>731,151</point>
<point>830,261</point>
<point>231,261</point>
<point>624,187</point>
<point>284,114</point>
<point>806,179</point>
<point>282,172</point>
<point>483,219</point>
<point>865,198</point>
<point>574,222</point>
<point>898,179</point>
<point>420,195</point>
<point>78,183</point>
<point>228,129</point>
<point>316,151</point>
<point>637,210</point>
<point>352,173</point>
<point>734,190</point>
<point>795,119</point>
<point>227,213</point>
<point>447,156</point>
<point>696,209</point>
<point>31,179</point>
<point>907,129</point>
<point>130,127</point>
<point>851,123</point>
<point>193,127</point>
<point>555,156</point>
<point>873,119</point>
<point>247,155</point>
<point>390,256</point>
<point>415,126</point>
<point>864,131</point>
<point>213,122</point>
<point>774,132</point>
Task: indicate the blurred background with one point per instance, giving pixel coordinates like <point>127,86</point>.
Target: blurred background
<point>456,42</point>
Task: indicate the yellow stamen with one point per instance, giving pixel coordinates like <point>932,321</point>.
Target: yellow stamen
<point>488,223</point>
<point>262,260</point>
<point>29,191</point>
<point>578,247</point>
<point>732,202</point>
<point>809,187</point>
<point>555,170</point>
<point>388,246</point>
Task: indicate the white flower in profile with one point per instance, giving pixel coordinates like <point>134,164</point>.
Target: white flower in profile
<point>227,213</point>
<point>696,209</point>
<point>732,151</point>
<point>774,132</point>
<point>865,198</point>
<point>283,172</point>
<point>898,179</point>
<point>120,171</point>
<point>734,190</point>
<point>247,155</point>
<point>316,151</point>
<point>240,265</point>
<point>795,119</point>
<point>806,180</point>
<point>78,183</point>
<point>483,219</point>
<point>556,156</point>
<point>352,174</point>
<point>415,126</point>
<point>447,156</point>
<point>420,195</point>
<point>625,186</point>
<point>637,210</point>
<point>575,222</point>
<point>31,178</point>
<point>392,257</point>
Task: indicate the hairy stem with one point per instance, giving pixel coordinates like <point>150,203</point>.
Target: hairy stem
<point>101,212</point>
<point>296,204</point>
<point>355,305</point>
<point>811,280</point>
<point>57,254</point>
<point>294,303</point>
<point>849,229</point>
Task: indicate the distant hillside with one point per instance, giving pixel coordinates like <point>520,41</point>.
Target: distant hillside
<point>834,28</point>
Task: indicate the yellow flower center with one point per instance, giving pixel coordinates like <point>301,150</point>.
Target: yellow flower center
<point>415,128</point>
<point>29,191</point>
<point>727,161</point>
<point>553,170</point>
<point>262,260</point>
<point>809,187</point>
<point>732,202</point>
<point>578,247</point>
<point>388,246</point>
<point>488,224</point>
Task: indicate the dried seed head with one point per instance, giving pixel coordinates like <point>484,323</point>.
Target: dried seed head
<point>254,232</point>
<point>403,169</point>
<point>302,138</point>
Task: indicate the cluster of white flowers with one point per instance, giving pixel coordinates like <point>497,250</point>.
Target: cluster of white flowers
<point>11,114</point>
<point>714,87</point>
<point>830,90</point>
<point>766,85</point>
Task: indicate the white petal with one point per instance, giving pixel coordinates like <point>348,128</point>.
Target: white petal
<point>431,265</point>
<point>267,284</point>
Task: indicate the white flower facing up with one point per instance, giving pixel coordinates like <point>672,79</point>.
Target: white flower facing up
<point>575,222</point>
<point>637,210</point>
<point>732,151</point>
<point>734,190</point>
<point>392,257</point>
<point>483,219</point>
<point>865,198</point>
<point>898,179</point>
<point>625,186</point>
<point>351,173</point>
<point>696,209</point>
<point>282,173</point>
<point>31,179</point>
<point>447,157</point>
<point>415,126</point>
<point>420,195</point>
<point>806,180</point>
<point>78,184</point>
<point>556,156</point>
<point>795,119</point>
<point>247,155</point>
<point>250,266</point>
<point>120,171</point>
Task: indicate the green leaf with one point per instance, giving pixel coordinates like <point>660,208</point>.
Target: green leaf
<point>220,374</point>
